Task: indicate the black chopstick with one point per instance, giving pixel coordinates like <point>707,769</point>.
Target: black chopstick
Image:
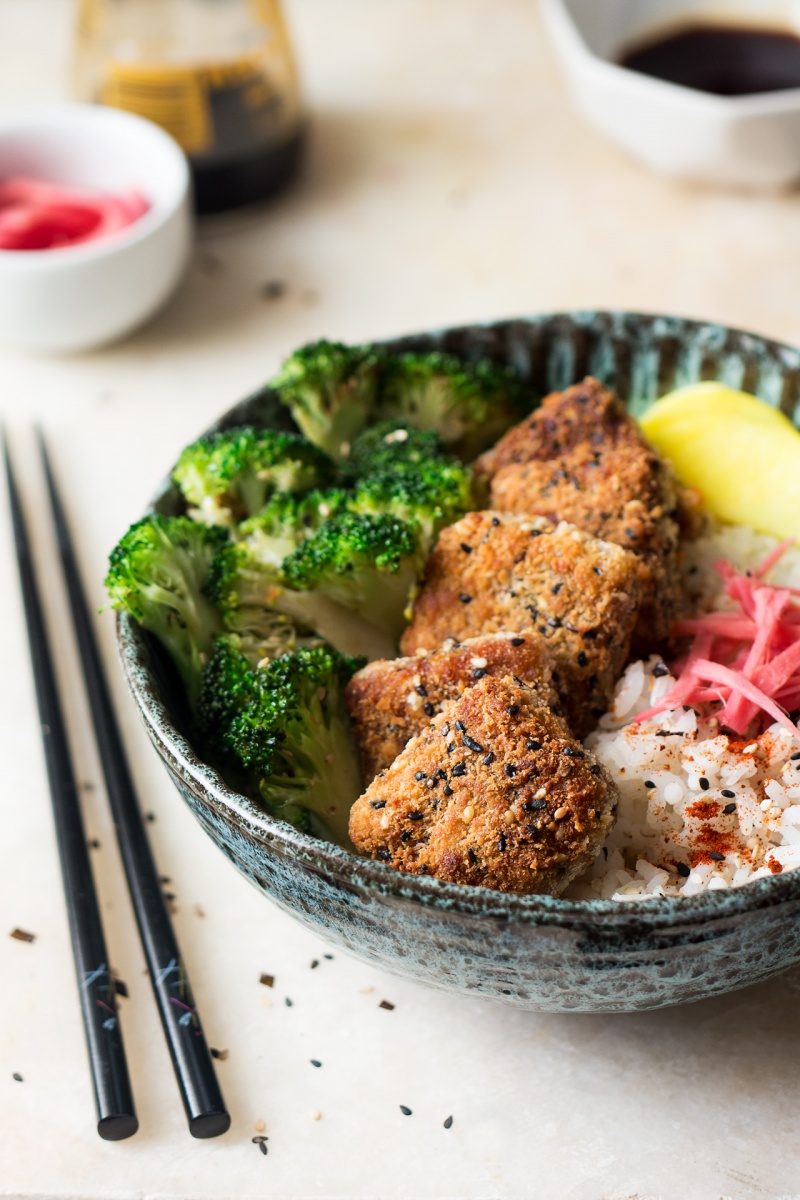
<point>191,1059</point>
<point>112,1090</point>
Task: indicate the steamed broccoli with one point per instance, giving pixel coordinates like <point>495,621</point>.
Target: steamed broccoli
<point>227,685</point>
<point>287,520</point>
<point>469,405</point>
<point>158,573</point>
<point>331,390</point>
<point>427,494</point>
<point>229,476</point>
<point>363,562</point>
<point>293,732</point>
<point>389,443</point>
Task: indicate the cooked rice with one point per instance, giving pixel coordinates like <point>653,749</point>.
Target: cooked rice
<point>677,832</point>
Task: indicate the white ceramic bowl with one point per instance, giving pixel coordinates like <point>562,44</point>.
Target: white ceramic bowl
<point>82,296</point>
<point>741,141</point>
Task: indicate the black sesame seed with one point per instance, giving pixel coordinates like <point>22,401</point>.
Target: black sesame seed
<point>263,1147</point>
<point>448,791</point>
<point>460,768</point>
<point>448,1122</point>
<point>717,857</point>
<point>556,588</point>
<point>534,805</point>
<point>17,1077</point>
<point>704,784</point>
<point>683,871</point>
<point>384,856</point>
<point>595,770</point>
<point>440,774</point>
<point>487,762</point>
<point>377,804</point>
<point>510,769</point>
<point>532,744</point>
<point>495,521</point>
<point>406,835</point>
<point>451,747</point>
<point>590,635</point>
<point>473,858</point>
<point>429,709</point>
<point>287,1000</point>
<point>648,783</point>
<point>729,808</point>
<point>597,571</point>
<point>479,673</point>
<point>420,775</point>
<point>659,670</point>
<point>583,661</point>
<point>728,794</point>
<point>415,816</point>
<point>512,710</point>
<point>536,533</point>
<point>571,752</point>
<point>517,642</point>
<point>405,1110</point>
<point>420,689</point>
<point>471,744</point>
<point>554,622</point>
<point>315,1062</point>
<point>460,726</point>
<point>467,549</point>
<point>465,599</point>
<point>795,757</point>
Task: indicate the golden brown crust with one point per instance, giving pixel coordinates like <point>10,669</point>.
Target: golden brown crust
<point>392,701</point>
<point>495,792</point>
<point>581,458</point>
<point>494,572</point>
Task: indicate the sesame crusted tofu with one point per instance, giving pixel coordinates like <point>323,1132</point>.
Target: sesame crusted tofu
<point>495,792</point>
<point>492,572</point>
<point>581,458</point>
<point>392,701</point>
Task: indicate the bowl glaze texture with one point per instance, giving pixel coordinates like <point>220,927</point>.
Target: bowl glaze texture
<point>534,952</point>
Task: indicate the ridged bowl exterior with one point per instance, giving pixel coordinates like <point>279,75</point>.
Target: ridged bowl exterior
<point>535,952</point>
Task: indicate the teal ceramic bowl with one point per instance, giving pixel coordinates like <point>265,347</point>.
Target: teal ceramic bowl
<point>534,952</point>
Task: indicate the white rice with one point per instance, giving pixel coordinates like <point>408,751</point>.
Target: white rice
<point>677,773</point>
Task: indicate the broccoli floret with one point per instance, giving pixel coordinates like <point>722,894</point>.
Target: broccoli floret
<point>294,733</point>
<point>227,685</point>
<point>368,564</point>
<point>428,494</point>
<point>388,443</point>
<point>287,520</point>
<point>469,405</point>
<point>229,476</point>
<point>331,391</point>
<point>158,573</point>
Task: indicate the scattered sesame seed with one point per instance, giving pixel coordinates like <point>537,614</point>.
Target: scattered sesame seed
<point>431,783</point>
<point>473,858</point>
<point>387,1004</point>
<point>465,599</point>
<point>471,744</point>
<point>448,791</point>
<point>315,1115</point>
<point>509,816</point>
<point>429,709</point>
<point>512,710</point>
<point>314,963</point>
<point>728,794</point>
<point>383,854</point>
<point>534,805</point>
<point>532,744</point>
<point>468,813</point>
<point>377,804</point>
<point>560,813</point>
<point>517,641</point>
<point>510,770</point>
<point>385,822</point>
<point>751,749</point>
<point>795,757</point>
<point>717,857</point>
<point>448,1123</point>
<point>16,1076</point>
<point>595,770</point>
<point>683,870</point>
<point>467,549</point>
<point>366,989</point>
<point>460,769</point>
<point>648,783</point>
<point>260,1126</point>
<point>415,816</point>
<point>704,784</point>
<point>582,659</point>
<point>495,521</point>
<point>501,844</point>
<point>540,795</point>
<point>479,673</point>
<point>729,808</point>
<point>659,670</point>
<point>22,935</point>
<point>267,980</point>
<point>405,1110</point>
<point>420,775</point>
<point>287,1000</point>
<point>315,1062</point>
<point>451,747</point>
<point>489,759</point>
<point>460,726</point>
<point>479,662</point>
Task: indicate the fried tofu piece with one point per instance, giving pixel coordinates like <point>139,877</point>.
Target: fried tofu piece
<point>495,792</point>
<point>392,701</point>
<point>581,458</point>
<point>492,572</point>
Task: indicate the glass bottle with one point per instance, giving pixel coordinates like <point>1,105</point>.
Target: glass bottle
<point>219,75</point>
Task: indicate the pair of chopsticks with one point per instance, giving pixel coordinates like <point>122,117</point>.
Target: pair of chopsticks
<point>191,1059</point>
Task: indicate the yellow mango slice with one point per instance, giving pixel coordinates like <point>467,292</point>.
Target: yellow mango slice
<point>742,455</point>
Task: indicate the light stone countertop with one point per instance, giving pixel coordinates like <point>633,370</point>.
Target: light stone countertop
<point>449,180</point>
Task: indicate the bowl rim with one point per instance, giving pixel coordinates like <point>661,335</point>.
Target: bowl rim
<point>568,35</point>
<point>52,116</point>
<point>206,783</point>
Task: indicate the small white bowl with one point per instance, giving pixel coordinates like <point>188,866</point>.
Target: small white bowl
<point>83,296</point>
<point>740,141</point>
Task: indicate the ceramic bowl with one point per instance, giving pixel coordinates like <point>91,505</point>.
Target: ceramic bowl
<point>82,296</point>
<point>535,952</point>
<point>739,141</point>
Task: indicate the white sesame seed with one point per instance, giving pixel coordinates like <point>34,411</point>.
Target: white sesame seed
<point>751,749</point>
<point>540,795</point>
<point>468,813</point>
<point>315,1115</point>
<point>413,700</point>
<point>509,817</point>
<point>480,663</point>
<point>385,821</point>
<point>560,812</point>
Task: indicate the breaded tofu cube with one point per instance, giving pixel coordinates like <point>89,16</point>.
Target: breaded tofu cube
<point>492,572</point>
<point>581,458</point>
<point>495,792</point>
<point>392,701</point>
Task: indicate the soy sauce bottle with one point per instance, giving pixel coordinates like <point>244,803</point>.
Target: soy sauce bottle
<point>219,75</point>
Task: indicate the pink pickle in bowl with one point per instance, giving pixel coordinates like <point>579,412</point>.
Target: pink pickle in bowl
<point>37,215</point>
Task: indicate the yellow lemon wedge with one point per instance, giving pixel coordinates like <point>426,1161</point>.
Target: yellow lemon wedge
<point>742,455</point>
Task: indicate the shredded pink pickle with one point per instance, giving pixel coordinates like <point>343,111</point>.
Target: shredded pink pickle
<point>37,215</point>
<point>746,660</point>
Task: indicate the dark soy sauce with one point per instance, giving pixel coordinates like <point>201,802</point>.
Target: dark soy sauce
<point>723,60</point>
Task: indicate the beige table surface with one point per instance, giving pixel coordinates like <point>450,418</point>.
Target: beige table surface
<point>449,180</point>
